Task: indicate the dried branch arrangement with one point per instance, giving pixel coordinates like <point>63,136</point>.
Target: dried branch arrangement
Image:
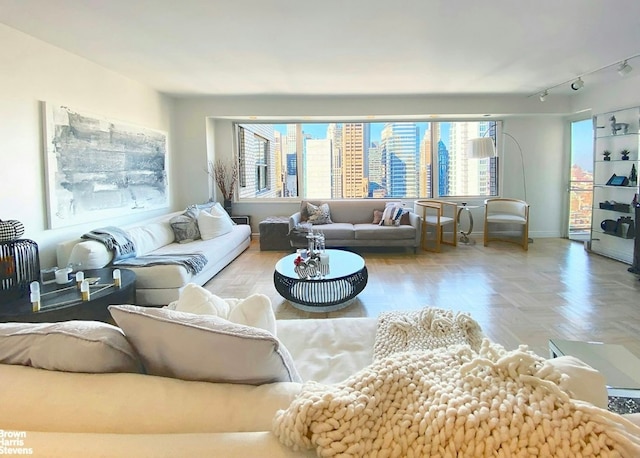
<point>225,176</point>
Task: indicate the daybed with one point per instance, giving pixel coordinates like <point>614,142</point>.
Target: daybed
<point>161,284</point>
<point>355,223</point>
<point>61,414</point>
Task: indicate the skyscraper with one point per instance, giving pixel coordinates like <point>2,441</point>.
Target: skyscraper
<point>400,146</point>
<point>355,142</point>
<point>334,133</point>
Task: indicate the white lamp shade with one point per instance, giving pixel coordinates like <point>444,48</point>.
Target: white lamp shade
<point>481,148</point>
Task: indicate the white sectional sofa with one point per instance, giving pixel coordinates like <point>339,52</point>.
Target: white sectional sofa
<point>160,284</point>
<point>62,414</point>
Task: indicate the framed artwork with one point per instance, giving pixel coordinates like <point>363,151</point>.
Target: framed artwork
<point>98,168</point>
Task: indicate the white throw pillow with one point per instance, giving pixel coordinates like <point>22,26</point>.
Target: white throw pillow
<point>203,347</point>
<point>255,310</point>
<point>69,346</point>
<point>196,299</point>
<point>212,226</point>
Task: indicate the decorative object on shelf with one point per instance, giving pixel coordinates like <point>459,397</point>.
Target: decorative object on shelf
<point>633,176</point>
<point>618,126</point>
<point>618,180</point>
<point>19,266</point>
<point>615,206</point>
<point>622,227</point>
<point>626,227</point>
<point>607,155</point>
<point>625,154</point>
<point>225,176</point>
<point>10,229</point>
<point>609,226</point>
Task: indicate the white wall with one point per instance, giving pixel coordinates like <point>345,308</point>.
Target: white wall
<point>33,72</point>
<point>622,93</point>
<point>539,128</point>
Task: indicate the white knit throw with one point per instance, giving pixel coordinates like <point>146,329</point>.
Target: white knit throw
<point>453,403</point>
<point>424,329</point>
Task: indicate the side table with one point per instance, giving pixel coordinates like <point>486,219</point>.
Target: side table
<point>241,219</point>
<point>464,236</point>
<point>64,302</point>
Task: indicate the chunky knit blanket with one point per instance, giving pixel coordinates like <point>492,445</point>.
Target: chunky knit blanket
<point>453,402</point>
<point>424,329</point>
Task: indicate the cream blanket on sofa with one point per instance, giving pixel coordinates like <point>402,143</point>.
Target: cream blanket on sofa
<point>453,402</point>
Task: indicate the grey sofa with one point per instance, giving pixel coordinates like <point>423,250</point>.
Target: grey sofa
<point>352,226</point>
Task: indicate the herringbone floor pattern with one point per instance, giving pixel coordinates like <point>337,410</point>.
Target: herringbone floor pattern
<point>556,289</point>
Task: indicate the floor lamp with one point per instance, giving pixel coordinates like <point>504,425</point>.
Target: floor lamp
<point>483,147</point>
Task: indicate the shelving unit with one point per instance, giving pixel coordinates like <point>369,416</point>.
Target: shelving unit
<point>616,238</point>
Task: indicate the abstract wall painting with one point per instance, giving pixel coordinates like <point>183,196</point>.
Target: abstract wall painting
<point>98,168</point>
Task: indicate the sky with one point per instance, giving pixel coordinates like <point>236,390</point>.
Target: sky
<point>582,144</point>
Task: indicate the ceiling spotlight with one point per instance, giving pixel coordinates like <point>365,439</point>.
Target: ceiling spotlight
<point>543,95</point>
<point>577,84</point>
<point>624,68</point>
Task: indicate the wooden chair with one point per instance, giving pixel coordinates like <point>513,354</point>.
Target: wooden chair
<point>437,214</point>
<point>502,211</point>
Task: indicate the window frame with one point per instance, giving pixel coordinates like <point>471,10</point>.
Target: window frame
<point>433,189</point>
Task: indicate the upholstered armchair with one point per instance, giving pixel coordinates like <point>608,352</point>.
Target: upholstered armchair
<point>436,214</point>
<point>504,212</point>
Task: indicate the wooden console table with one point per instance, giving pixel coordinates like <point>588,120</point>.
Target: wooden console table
<point>64,302</point>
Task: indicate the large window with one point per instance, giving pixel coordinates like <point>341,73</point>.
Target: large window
<point>355,160</point>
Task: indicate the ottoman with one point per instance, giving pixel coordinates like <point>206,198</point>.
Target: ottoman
<point>274,233</point>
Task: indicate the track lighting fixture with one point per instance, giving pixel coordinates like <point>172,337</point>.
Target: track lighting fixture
<point>624,68</point>
<point>577,84</point>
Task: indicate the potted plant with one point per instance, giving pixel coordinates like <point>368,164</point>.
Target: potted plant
<point>625,154</point>
<point>606,155</point>
<point>225,176</point>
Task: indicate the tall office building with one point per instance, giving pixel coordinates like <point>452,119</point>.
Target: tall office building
<point>294,144</point>
<point>317,169</point>
<point>429,138</point>
<point>355,142</point>
<point>334,133</point>
<point>376,171</point>
<point>400,146</point>
<point>443,169</point>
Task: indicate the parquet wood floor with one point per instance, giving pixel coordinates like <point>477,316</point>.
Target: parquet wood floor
<point>556,289</point>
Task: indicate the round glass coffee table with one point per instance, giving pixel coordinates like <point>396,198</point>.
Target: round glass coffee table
<point>335,290</point>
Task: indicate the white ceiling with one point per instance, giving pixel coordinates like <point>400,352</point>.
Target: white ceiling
<point>361,47</point>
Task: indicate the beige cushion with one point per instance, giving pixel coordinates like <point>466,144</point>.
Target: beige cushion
<point>72,346</point>
<point>319,214</point>
<point>203,347</point>
<point>38,400</point>
<point>213,225</point>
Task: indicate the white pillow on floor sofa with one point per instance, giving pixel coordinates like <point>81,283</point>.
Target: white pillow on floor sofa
<point>203,347</point>
<point>254,310</point>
